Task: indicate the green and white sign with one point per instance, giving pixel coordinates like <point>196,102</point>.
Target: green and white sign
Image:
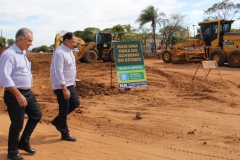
<point>129,64</point>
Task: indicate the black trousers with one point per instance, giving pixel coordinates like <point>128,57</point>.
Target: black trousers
<point>65,108</point>
<point>16,115</point>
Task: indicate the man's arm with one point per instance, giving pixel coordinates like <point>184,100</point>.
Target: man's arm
<point>58,68</point>
<point>66,92</point>
<point>20,98</point>
<point>6,65</point>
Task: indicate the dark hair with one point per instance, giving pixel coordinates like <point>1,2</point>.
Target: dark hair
<point>23,32</point>
<point>68,36</point>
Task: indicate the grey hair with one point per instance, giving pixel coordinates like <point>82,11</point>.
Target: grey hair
<point>23,32</point>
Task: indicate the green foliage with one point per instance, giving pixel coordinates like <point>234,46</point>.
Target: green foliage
<point>35,49</point>
<point>88,35</point>
<point>177,39</point>
<point>223,10</point>
<point>130,33</point>
<point>151,15</point>
<point>118,32</point>
<point>235,30</point>
<point>78,33</point>
<point>92,30</point>
<point>173,27</point>
<point>42,48</point>
<point>143,34</point>
<point>10,42</point>
<point>2,42</point>
<point>107,30</point>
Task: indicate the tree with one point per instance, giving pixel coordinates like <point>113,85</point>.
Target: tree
<point>118,32</point>
<point>223,10</point>
<point>78,33</point>
<point>150,14</point>
<point>130,33</point>
<point>10,42</point>
<point>235,30</point>
<point>107,30</point>
<point>88,35</point>
<point>143,35</point>
<point>2,42</point>
<point>173,26</point>
<point>42,48</point>
<point>93,30</point>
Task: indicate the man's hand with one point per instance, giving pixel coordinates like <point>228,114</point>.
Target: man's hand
<point>21,100</point>
<point>66,93</point>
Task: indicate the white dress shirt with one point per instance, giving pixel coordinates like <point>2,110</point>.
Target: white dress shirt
<point>15,69</point>
<point>63,67</point>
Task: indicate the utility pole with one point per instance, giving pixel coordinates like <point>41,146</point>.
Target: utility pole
<point>193,31</point>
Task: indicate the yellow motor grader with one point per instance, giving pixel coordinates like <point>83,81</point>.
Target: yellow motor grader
<point>216,43</point>
<point>221,45</point>
<point>191,50</point>
<point>91,52</point>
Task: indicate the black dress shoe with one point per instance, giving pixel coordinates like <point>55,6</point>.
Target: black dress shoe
<point>27,149</point>
<point>15,157</point>
<point>68,138</point>
<point>56,125</point>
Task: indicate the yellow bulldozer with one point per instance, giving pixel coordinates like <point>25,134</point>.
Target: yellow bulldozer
<point>216,43</point>
<point>91,52</point>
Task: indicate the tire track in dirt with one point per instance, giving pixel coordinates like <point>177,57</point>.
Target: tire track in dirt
<point>185,87</point>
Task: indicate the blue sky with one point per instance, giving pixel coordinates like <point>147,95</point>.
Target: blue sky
<point>47,17</point>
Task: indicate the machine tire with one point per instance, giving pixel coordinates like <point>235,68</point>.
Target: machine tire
<point>219,56</point>
<point>90,56</point>
<point>233,59</point>
<point>111,56</point>
<point>81,60</point>
<point>167,56</point>
<point>105,60</point>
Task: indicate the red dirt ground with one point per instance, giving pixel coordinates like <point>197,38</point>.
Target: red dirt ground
<point>181,119</point>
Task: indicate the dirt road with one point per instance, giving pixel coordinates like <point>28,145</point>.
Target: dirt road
<point>181,119</point>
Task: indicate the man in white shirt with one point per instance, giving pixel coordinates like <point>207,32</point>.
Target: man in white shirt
<point>63,76</point>
<point>16,78</point>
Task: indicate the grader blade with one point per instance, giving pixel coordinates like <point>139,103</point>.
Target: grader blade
<point>184,56</point>
<point>179,58</point>
<point>195,56</point>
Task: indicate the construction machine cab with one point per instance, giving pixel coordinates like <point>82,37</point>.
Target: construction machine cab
<point>220,44</point>
<point>104,46</point>
<point>90,52</point>
<point>213,31</point>
<point>103,41</point>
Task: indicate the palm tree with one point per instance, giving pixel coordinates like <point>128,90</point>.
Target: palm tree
<point>150,14</point>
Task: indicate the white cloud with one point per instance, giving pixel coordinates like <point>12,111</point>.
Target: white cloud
<point>47,17</point>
